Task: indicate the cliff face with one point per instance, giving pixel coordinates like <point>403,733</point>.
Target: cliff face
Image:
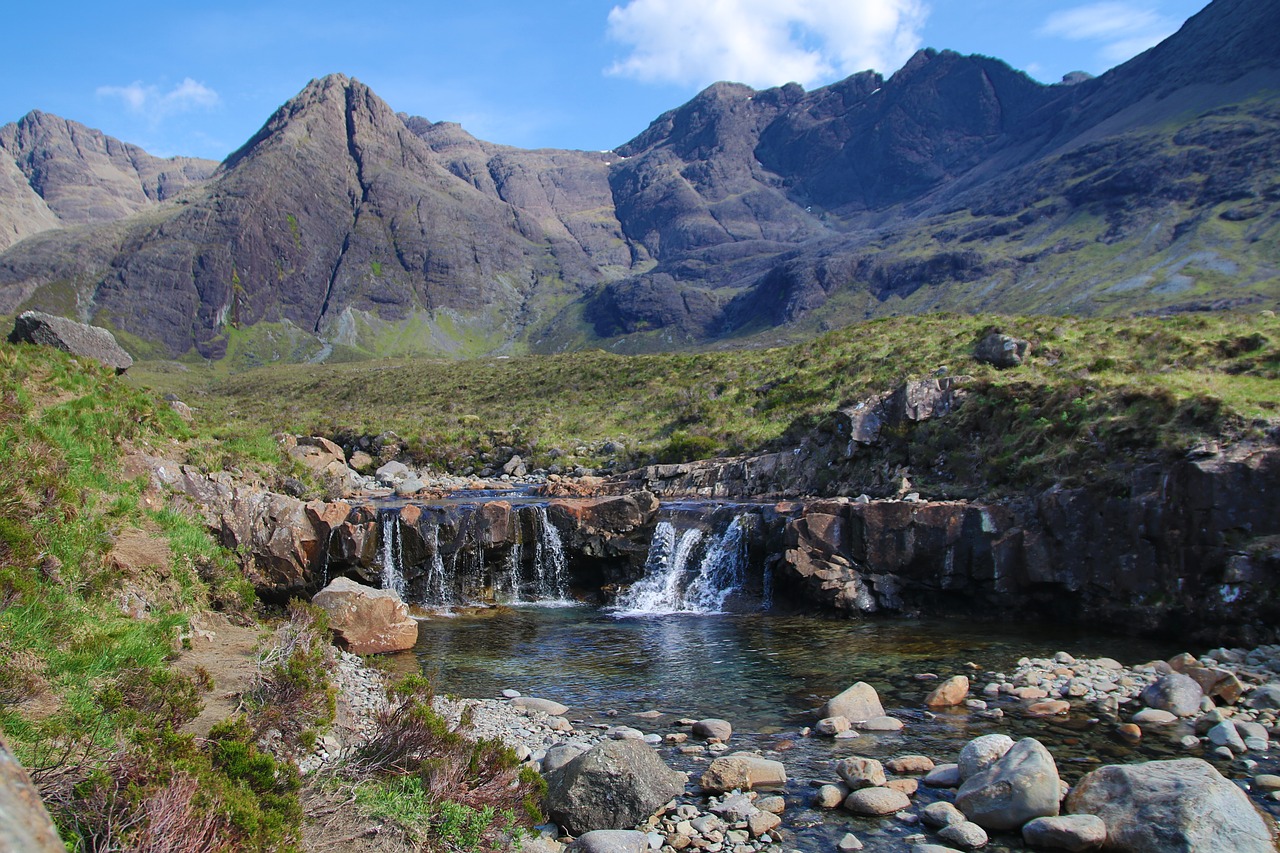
<point>957,183</point>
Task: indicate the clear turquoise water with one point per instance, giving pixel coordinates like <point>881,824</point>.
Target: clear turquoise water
<point>769,675</point>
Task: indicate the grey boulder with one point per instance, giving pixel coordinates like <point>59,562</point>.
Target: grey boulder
<point>1182,806</point>
<point>1176,693</point>
<point>1020,786</point>
<point>36,327</point>
<point>614,785</point>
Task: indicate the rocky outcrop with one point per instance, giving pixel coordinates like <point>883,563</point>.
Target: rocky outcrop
<point>1175,550</point>
<point>1182,806</point>
<point>367,621</point>
<point>614,785</point>
<point>35,327</point>
<point>24,824</point>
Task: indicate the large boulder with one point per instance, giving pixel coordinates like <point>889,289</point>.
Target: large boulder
<point>367,621</point>
<point>1182,806</point>
<point>24,824</point>
<point>614,785</point>
<point>36,327</point>
<point>1021,785</point>
<point>1174,692</point>
<point>856,704</point>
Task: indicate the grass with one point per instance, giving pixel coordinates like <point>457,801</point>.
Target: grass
<point>1112,388</point>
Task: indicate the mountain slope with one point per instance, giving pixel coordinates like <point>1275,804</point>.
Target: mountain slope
<point>957,183</point>
<point>57,172</point>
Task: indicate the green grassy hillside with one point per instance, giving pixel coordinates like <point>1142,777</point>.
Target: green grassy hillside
<point>1093,392</point>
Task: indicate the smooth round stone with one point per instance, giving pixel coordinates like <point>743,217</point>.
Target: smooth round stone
<point>1224,753</point>
<point>773,804</point>
<point>510,694</point>
<point>980,753</point>
<point>1189,742</point>
<point>1048,708</point>
<point>942,813</point>
<point>652,740</point>
<point>1154,716</point>
<point>1065,832</point>
<point>1129,732</point>
<point>881,724</point>
<point>829,796</point>
<point>859,772</point>
<point>832,726</point>
<point>1257,744</point>
<point>906,786</point>
<point>905,765</point>
<point>625,733</point>
<point>966,835</point>
<point>877,802</point>
<point>944,776</point>
<point>1266,782</point>
<point>547,706</point>
<point>709,728</point>
<point>847,735</point>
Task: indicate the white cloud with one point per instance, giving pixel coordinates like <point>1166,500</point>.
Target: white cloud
<point>151,103</point>
<point>763,42</point>
<point>1121,29</point>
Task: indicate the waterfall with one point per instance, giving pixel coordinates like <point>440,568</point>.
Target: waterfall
<point>723,571</point>
<point>436,592</point>
<point>687,574</point>
<point>389,554</point>
<point>508,582</point>
<point>550,565</point>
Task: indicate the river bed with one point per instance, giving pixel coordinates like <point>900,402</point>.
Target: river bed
<point>769,675</point>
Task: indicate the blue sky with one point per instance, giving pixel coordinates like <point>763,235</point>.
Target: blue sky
<point>200,78</point>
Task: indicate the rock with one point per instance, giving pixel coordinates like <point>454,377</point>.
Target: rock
<point>906,786</point>
<point>614,785</point>
<point>1174,692</point>
<point>830,796</point>
<point>848,843</point>
<point>1001,351</point>
<point>1129,732</point>
<point>1266,697</point>
<point>1154,716</point>
<point>743,771</point>
<point>561,754</point>
<point>761,822</point>
<point>78,339</point>
<point>881,724</point>
<point>875,802</point>
<point>611,841</point>
<point>942,813</point>
<point>981,752</point>
<point>24,824</point>
<point>832,726</point>
<point>1021,785</point>
<point>912,764</point>
<point>1266,782</point>
<point>392,473</point>
<point>856,704</point>
<point>1048,708</point>
<point>361,461</point>
<point>1182,806</point>
<point>944,776</point>
<point>1225,734</point>
<point>367,621</point>
<point>709,728</point>
<point>1066,832</point>
<point>858,772</point>
<point>773,804</point>
<point>966,835</point>
<point>547,706</point>
<point>949,693</point>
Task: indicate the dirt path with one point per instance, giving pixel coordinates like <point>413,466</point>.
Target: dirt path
<point>229,653</point>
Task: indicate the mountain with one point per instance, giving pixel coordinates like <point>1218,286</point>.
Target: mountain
<point>344,229</point>
<point>55,172</point>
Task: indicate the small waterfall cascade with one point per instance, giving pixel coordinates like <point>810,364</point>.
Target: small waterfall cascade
<point>436,592</point>
<point>389,553</point>
<point>688,571</point>
<point>551,569</point>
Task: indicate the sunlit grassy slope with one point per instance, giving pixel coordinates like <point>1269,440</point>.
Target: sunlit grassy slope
<point>1093,392</point>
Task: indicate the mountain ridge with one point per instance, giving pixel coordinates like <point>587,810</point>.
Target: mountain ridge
<point>342,228</point>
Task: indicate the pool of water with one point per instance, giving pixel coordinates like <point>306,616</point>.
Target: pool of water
<point>769,675</point>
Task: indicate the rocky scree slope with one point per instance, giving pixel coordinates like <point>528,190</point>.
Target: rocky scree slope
<point>957,183</point>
